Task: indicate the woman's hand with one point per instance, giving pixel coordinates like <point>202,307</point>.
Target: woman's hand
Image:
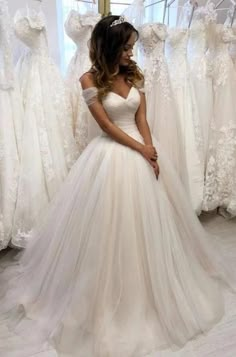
<point>149,153</point>
<point>156,169</point>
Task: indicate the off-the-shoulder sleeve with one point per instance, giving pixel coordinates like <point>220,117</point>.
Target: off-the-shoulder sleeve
<point>90,95</point>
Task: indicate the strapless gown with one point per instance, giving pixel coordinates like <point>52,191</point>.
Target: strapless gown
<point>120,265</point>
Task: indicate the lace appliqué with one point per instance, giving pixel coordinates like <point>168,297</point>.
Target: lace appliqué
<point>152,37</point>
<point>220,182</point>
<point>6,55</point>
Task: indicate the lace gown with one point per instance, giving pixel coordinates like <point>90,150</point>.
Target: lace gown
<point>79,28</point>
<point>200,74</point>
<point>176,53</point>
<point>11,117</point>
<point>162,111</point>
<point>48,146</point>
<point>220,182</point>
<point>120,266</point>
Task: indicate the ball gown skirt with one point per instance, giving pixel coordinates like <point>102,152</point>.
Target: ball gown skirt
<point>119,266</point>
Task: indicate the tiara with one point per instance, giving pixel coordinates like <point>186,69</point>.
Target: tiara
<point>118,21</point>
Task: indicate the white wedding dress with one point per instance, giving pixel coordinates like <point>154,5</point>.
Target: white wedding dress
<point>48,146</point>
<point>11,118</point>
<point>162,110</point>
<point>120,266</point>
<point>220,181</point>
<point>79,28</point>
<point>176,53</point>
<point>200,72</point>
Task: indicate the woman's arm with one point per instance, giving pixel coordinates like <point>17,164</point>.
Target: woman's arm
<point>144,129</point>
<point>99,114</point>
<point>141,121</point>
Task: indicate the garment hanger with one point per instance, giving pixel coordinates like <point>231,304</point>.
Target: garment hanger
<point>233,12</point>
<point>164,12</point>
<point>154,3</point>
<point>194,7</point>
<point>168,11</point>
<point>186,17</point>
<point>85,1</point>
<point>219,3</point>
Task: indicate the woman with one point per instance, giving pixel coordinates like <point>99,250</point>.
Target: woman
<point>124,267</point>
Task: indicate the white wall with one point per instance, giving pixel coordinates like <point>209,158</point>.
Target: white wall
<point>54,24</point>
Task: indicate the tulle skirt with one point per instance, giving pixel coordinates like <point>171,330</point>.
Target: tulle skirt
<point>120,265</point>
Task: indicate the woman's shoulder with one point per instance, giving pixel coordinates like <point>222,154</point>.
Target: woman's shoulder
<point>87,79</point>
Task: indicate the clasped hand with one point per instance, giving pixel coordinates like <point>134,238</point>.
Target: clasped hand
<point>150,154</point>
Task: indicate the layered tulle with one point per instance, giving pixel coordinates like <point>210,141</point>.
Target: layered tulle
<point>119,262</point>
<point>119,266</point>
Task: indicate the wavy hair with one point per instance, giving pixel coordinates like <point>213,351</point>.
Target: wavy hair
<point>106,48</point>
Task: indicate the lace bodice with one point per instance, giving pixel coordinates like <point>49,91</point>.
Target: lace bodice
<point>151,39</point>
<point>176,54</point>
<point>79,27</point>
<point>30,28</point>
<point>176,43</point>
<point>197,48</point>
<point>6,55</point>
<point>122,110</point>
<point>152,44</point>
<point>197,45</point>
<point>224,36</point>
<point>222,61</point>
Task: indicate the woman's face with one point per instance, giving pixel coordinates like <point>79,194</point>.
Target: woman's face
<point>128,50</point>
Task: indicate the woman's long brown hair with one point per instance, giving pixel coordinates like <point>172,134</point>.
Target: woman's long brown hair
<point>106,47</point>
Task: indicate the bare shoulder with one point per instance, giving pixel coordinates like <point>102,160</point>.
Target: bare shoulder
<point>87,80</point>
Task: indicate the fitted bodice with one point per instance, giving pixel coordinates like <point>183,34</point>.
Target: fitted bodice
<point>224,36</point>
<point>221,60</point>
<point>152,44</point>
<point>30,28</point>
<point>152,40</point>
<point>176,44</point>
<point>6,53</point>
<point>122,110</point>
<point>79,27</point>
<point>176,54</point>
<point>197,44</point>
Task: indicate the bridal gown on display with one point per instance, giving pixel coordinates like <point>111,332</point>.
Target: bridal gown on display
<point>200,72</point>
<point>79,28</point>
<point>11,117</point>
<point>120,266</point>
<point>162,110</point>
<point>220,181</point>
<point>176,53</point>
<point>48,146</point>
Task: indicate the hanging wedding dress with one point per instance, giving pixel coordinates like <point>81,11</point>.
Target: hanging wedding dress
<point>220,181</point>
<point>162,111</point>
<point>11,117</point>
<point>176,53</point>
<point>48,146</point>
<point>200,72</point>
<point>120,266</point>
<point>79,28</point>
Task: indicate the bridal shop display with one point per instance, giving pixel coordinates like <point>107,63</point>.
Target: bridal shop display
<point>189,88</point>
<point>106,260</point>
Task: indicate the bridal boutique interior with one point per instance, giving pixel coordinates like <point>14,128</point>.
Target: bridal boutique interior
<point>187,52</point>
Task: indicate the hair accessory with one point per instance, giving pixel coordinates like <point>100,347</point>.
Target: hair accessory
<point>118,21</point>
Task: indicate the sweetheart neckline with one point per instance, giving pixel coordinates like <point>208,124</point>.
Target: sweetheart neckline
<point>125,98</point>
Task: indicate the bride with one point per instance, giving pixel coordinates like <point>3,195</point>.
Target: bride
<point>124,267</point>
